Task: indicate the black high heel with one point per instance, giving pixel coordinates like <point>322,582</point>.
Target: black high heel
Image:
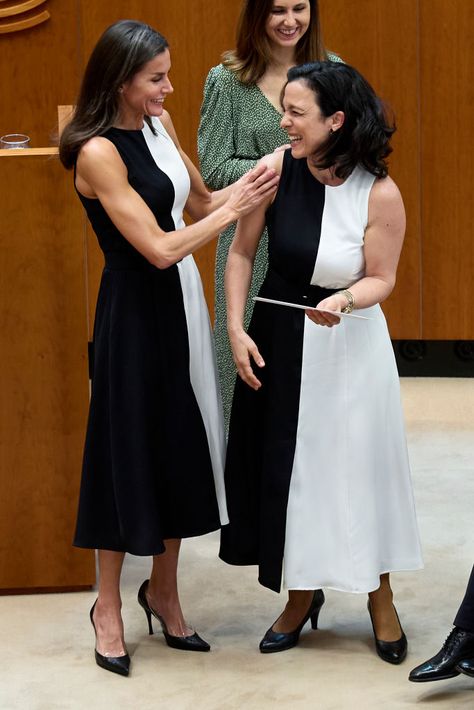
<point>274,641</point>
<point>183,643</point>
<point>390,651</point>
<point>115,664</point>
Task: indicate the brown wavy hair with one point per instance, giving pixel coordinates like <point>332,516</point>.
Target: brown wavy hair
<point>253,53</point>
<point>123,49</point>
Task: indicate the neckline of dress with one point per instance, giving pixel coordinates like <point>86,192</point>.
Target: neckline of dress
<point>267,101</point>
<point>324,184</point>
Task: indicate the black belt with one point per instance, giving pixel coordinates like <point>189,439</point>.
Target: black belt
<point>280,289</point>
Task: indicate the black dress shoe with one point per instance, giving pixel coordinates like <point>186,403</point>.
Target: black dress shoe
<point>115,664</point>
<point>183,643</point>
<point>390,651</point>
<point>274,641</point>
<point>458,646</point>
<point>466,666</point>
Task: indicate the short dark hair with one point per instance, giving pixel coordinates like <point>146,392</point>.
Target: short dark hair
<point>364,137</point>
<point>123,49</point>
<point>252,54</point>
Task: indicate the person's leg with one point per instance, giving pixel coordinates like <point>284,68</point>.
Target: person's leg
<point>385,620</point>
<point>465,616</point>
<point>295,610</point>
<point>107,612</point>
<point>162,591</point>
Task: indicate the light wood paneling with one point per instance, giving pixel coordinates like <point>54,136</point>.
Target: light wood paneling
<point>44,399</point>
<point>380,39</point>
<point>447,100</point>
<point>40,69</point>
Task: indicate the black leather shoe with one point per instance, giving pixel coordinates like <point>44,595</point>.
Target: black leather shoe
<point>183,643</point>
<point>115,664</point>
<point>390,651</point>
<point>274,641</point>
<point>466,666</point>
<point>458,646</point>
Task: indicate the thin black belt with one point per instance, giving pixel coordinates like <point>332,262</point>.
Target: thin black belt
<point>280,289</point>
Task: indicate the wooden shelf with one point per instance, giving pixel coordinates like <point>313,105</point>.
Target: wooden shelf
<point>25,152</point>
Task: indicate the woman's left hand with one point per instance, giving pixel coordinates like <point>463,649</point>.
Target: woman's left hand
<point>336,303</point>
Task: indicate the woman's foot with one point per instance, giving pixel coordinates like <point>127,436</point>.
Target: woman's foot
<point>277,639</point>
<point>390,640</point>
<point>169,609</point>
<point>186,639</point>
<point>295,610</point>
<point>108,625</point>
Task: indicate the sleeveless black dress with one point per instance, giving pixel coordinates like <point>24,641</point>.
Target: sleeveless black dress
<point>153,458</point>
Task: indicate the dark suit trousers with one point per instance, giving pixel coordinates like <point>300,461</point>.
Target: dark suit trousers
<point>465,616</point>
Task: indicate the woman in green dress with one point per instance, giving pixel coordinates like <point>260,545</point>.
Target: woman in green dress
<point>240,123</point>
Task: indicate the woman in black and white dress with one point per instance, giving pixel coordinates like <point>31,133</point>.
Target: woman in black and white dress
<point>153,459</point>
<point>317,475</point>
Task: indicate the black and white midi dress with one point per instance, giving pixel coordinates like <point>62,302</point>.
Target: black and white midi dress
<point>317,476</point>
<point>155,445</point>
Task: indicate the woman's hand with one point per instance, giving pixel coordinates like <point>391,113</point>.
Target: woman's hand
<point>336,303</point>
<point>252,189</point>
<point>243,348</point>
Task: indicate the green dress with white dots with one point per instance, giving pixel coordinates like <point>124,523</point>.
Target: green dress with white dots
<point>238,126</point>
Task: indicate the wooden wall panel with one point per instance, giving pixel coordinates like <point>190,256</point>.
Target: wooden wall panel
<point>44,387</point>
<point>447,100</point>
<point>380,38</point>
<point>40,67</point>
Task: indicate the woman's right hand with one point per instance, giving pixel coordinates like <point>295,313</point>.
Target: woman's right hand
<point>244,348</point>
<point>253,188</point>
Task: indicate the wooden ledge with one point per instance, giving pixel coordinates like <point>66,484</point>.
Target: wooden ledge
<point>24,152</point>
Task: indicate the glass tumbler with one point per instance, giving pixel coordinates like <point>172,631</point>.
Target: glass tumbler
<point>14,140</point>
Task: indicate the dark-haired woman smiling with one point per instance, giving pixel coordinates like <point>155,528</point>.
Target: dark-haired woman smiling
<point>317,475</point>
<point>153,457</point>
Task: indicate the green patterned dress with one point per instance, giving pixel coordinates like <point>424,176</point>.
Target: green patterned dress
<point>238,126</point>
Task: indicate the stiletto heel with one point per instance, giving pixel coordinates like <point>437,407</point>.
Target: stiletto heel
<point>274,641</point>
<point>314,617</point>
<point>183,643</point>
<point>115,664</point>
<point>148,618</point>
<point>390,651</point>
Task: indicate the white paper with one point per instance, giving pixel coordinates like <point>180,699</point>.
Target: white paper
<point>309,308</point>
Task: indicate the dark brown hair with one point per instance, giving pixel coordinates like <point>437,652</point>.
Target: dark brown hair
<point>364,137</point>
<point>123,49</point>
<point>253,53</point>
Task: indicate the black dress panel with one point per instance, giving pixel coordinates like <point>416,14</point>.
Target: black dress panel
<point>260,460</point>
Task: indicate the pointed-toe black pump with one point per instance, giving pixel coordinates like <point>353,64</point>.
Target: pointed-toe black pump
<point>390,651</point>
<point>115,664</point>
<point>275,641</point>
<point>183,643</point>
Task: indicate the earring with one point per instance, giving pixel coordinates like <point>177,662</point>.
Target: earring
<point>331,131</point>
<point>120,90</point>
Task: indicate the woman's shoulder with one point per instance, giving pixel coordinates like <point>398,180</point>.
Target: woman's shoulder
<point>96,148</point>
<point>221,76</point>
<point>273,160</point>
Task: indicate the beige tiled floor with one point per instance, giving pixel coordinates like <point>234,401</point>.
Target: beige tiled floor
<point>46,660</point>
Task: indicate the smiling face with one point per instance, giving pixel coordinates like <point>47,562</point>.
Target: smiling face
<point>146,91</point>
<point>287,22</point>
<point>308,129</point>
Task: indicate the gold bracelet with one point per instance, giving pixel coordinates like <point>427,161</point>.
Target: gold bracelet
<point>350,301</point>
